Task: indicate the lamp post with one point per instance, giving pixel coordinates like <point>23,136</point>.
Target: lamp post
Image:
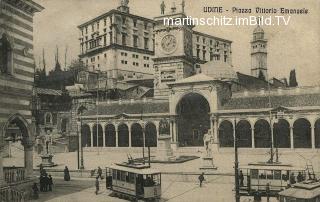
<point>236,163</point>
<point>80,111</point>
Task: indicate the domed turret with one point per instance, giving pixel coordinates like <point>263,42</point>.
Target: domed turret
<point>218,70</point>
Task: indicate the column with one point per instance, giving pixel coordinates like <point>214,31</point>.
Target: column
<point>1,167</point>
<point>79,135</point>
<point>171,131</point>
<point>215,130</point>
<point>174,128</point>
<point>212,126</point>
<point>28,159</point>
<point>252,137</point>
<point>91,133</point>
<point>157,128</point>
<point>291,137</point>
<point>103,134</point>
<point>313,145</point>
<point>130,136</point>
<point>117,134</point>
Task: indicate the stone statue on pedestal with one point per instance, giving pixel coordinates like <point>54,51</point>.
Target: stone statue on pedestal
<point>162,7</point>
<point>208,141</point>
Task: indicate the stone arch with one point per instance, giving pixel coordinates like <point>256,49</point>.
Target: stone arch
<point>302,133</point>
<point>85,135</point>
<point>110,133</point>
<point>226,131</point>
<point>123,135</point>
<point>151,134</point>
<point>136,135</point>
<point>97,135</point>
<point>262,134</point>
<point>317,133</point>
<point>244,133</point>
<point>281,134</point>
<point>193,120</point>
<point>25,133</point>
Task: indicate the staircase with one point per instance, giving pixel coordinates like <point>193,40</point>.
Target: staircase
<point>11,194</point>
<point>310,171</point>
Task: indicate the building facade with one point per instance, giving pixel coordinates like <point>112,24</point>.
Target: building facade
<point>196,90</point>
<point>16,84</point>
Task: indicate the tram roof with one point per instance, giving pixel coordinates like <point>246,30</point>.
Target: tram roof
<point>302,191</point>
<point>271,167</point>
<point>142,171</point>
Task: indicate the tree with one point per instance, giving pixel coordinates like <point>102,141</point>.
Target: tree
<point>261,76</point>
<point>292,79</point>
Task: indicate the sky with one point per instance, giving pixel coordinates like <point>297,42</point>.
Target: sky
<point>294,46</point>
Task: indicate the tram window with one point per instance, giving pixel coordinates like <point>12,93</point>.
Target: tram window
<point>262,174</point>
<point>131,177</point>
<point>269,174</point>
<point>114,174</point>
<point>156,179</point>
<point>254,174</point>
<point>123,176</point>
<point>277,174</point>
<point>118,174</point>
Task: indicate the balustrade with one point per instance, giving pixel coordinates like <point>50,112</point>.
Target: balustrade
<point>14,174</point>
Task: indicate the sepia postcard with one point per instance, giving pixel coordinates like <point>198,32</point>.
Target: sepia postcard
<point>160,100</point>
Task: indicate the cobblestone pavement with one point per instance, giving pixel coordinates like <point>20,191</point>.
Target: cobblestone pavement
<point>223,160</point>
<point>82,190</point>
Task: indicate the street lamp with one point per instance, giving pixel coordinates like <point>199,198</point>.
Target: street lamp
<point>80,111</point>
<point>236,163</point>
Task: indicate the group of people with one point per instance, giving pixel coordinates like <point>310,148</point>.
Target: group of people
<point>46,181</point>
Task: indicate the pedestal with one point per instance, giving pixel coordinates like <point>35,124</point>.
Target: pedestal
<point>164,151</point>
<point>207,163</point>
<point>47,160</point>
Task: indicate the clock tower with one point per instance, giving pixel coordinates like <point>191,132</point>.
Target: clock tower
<point>259,54</point>
<point>173,51</point>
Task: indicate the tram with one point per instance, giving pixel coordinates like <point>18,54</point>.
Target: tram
<point>269,179</point>
<point>307,191</point>
<point>134,182</point>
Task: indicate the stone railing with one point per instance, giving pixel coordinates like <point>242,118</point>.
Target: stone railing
<point>12,195</point>
<point>14,174</point>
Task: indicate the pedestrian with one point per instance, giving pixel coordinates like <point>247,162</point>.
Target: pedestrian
<point>41,182</point>
<point>50,183</point>
<point>300,177</point>
<point>99,172</point>
<point>66,174</point>
<point>35,191</point>
<point>46,182</point>
<point>97,185</point>
<point>201,179</point>
<point>292,179</point>
<point>241,178</point>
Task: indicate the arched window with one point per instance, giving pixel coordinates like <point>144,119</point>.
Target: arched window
<point>5,55</point>
<point>48,118</point>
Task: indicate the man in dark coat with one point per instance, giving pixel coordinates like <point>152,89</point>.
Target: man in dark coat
<point>66,174</point>
<point>50,183</point>
<point>99,172</point>
<point>97,185</point>
<point>201,179</point>
<point>35,191</point>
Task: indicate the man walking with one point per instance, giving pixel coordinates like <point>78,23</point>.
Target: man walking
<point>99,172</point>
<point>201,179</point>
<point>97,185</point>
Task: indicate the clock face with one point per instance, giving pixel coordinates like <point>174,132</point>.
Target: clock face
<point>169,43</point>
